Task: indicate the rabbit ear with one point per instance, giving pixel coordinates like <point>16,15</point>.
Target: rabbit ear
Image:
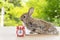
<point>30,11</point>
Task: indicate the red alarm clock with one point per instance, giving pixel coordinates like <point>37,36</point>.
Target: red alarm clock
<point>20,31</point>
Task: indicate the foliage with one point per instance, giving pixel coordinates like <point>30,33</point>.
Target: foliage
<point>48,10</point>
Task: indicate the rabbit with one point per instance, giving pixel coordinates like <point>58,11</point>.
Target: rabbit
<point>37,25</point>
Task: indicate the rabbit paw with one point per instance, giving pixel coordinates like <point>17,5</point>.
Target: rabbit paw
<point>33,31</point>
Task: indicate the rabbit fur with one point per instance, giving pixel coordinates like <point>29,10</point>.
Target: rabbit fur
<point>37,25</point>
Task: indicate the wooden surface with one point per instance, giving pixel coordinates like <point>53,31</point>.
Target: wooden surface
<point>10,34</point>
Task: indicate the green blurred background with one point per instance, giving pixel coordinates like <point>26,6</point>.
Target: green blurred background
<point>48,10</point>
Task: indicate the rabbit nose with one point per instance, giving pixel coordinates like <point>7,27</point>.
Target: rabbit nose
<point>21,19</point>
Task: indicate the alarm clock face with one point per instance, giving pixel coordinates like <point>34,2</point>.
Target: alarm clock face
<point>20,32</point>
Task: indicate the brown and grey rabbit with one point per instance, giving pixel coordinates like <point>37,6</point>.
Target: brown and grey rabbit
<point>37,25</point>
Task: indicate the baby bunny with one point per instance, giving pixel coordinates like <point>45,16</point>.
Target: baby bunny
<point>37,25</point>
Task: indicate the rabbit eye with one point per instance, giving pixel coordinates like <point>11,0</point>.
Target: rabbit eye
<point>24,16</point>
